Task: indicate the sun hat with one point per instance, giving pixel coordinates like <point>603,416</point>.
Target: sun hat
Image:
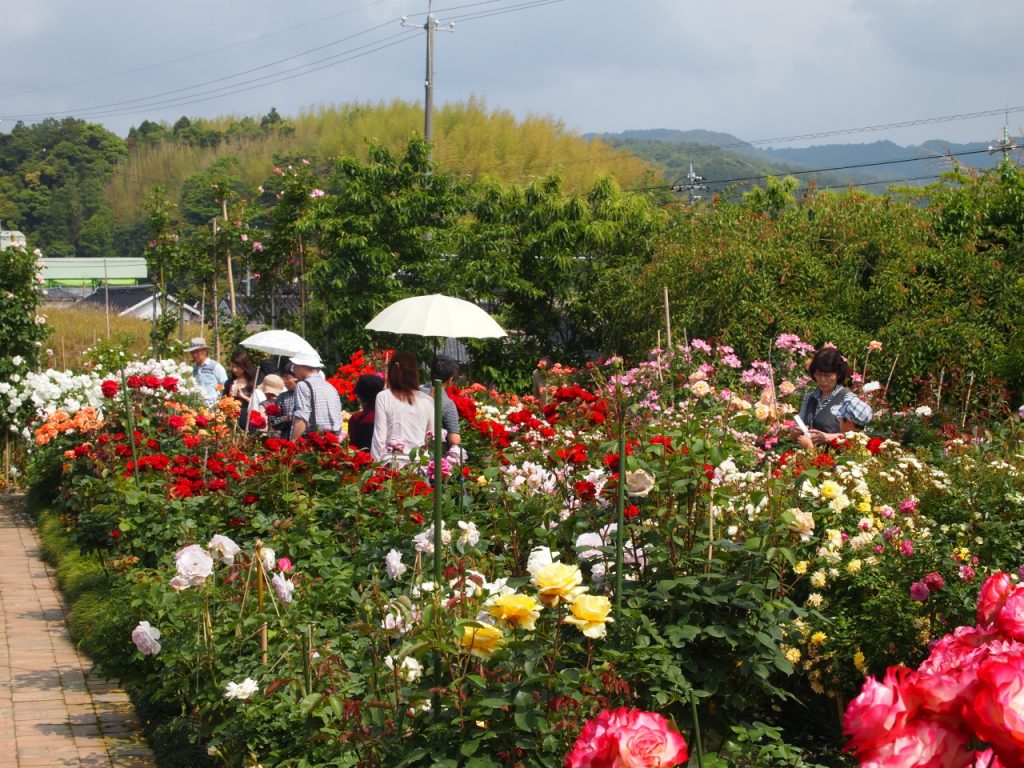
<point>858,412</point>
<point>272,384</point>
<point>197,342</point>
<point>307,359</point>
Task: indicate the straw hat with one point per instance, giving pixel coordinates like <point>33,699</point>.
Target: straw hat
<point>272,384</point>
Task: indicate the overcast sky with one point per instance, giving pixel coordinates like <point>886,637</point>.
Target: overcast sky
<point>758,70</point>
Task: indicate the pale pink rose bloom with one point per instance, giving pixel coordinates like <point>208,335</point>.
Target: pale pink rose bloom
<point>194,566</point>
<point>146,639</point>
<point>282,587</point>
<point>787,388</point>
<point>223,548</point>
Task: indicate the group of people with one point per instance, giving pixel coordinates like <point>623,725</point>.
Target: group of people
<point>397,412</point>
<point>396,416</point>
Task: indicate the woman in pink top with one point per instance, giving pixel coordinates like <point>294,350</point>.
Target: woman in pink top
<point>404,415</point>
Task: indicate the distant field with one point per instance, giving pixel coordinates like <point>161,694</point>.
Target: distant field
<point>74,330</point>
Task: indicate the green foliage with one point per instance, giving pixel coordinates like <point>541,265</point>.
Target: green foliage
<point>52,180</point>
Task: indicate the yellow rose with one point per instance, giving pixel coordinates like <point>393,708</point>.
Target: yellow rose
<point>818,638</point>
<point>818,579</point>
<point>762,411</point>
<point>830,490</point>
<point>557,582</point>
<point>800,568</point>
<point>481,641</point>
<point>517,611</point>
<point>793,655</point>
<point>854,566</point>
<point>590,615</point>
<point>858,661</point>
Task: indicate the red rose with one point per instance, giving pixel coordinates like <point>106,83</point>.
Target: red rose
<point>875,445</point>
<point>110,388</point>
<point>256,420</point>
<point>175,421</point>
<point>272,409</point>
<point>169,383</point>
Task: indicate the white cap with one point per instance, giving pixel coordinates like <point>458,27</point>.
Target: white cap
<point>307,359</point>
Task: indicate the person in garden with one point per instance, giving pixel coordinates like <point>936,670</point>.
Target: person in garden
<point>820,407</point>
<point>243,388</point>
<point>445,369</point>
<point>207,373</point>
<point>404,413</point>
<point>272,387</point>
<point>853,415</point>
<point>285,402</point>
<point>360,426</point>
<point>317,404</point>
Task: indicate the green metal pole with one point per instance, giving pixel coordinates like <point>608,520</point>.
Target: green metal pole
<point>438,571</point>
<point>620,506</point>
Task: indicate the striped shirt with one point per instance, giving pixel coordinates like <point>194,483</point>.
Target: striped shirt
<point>317,403</point>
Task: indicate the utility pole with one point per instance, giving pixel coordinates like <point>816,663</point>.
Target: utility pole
<point>694,185</point>
<point>1005,145</point>
<point>431,26</point>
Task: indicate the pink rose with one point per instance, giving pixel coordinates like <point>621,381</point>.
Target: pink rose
<point>628,738</point>
<point>647,739</point>
<point>284,564</point>
<point>1010,619</point>
<point>992,596</point>
<point>997,714</point>
<point>881,709</point>
<point>922,744</point>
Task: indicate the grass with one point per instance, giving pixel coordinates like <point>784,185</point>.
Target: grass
<point>73,330</point>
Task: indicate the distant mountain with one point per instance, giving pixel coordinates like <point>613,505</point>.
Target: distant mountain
<point>725,160</point>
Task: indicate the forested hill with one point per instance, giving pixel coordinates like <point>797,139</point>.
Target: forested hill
<point>721,158</point>
<point>75,189</point>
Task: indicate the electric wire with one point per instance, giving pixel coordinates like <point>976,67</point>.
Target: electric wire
<point>152,101</point>
<point>196,55</point>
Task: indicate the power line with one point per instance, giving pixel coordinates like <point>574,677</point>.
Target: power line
<point>923,158</point>
<point>146,103</point>
<point>196,55</point>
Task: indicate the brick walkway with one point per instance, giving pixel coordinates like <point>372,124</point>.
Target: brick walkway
<point>54,710</point>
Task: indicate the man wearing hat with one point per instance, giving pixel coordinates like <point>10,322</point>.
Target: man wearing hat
<point>317,404</point>
<point>208,374</point>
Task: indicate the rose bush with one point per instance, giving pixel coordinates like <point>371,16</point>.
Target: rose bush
<point>758,583</point>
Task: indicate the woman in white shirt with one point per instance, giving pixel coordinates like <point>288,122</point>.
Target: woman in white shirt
<point>404,415</point>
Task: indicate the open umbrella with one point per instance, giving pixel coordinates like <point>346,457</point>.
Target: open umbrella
<point>449,318</point>
<point>437,315</point>
<point>279,342</point>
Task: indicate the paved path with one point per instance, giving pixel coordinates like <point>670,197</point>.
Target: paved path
<point>54,710</point>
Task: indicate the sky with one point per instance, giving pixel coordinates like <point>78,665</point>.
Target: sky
<point>757,70</point>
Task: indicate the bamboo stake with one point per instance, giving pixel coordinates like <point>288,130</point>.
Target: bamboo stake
<point>967,401</point>
<point>668,320</point>
<point>885,394</point>
<point>260,573</point>
<point>63,354</point>
<point>227,251</point>
<point>938,396</point>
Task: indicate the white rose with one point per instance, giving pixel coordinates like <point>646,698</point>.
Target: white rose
<point>539,558</point>
<point>146,639</point>
<point>922,411</point>
<point>409,669</point>
<point>639,482</point>
<point>871,386</point>
<point>393,564</point>
<point>224,548</point>
<point>470,535</point>
<point>242,690</point>
<point>269,559</point>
